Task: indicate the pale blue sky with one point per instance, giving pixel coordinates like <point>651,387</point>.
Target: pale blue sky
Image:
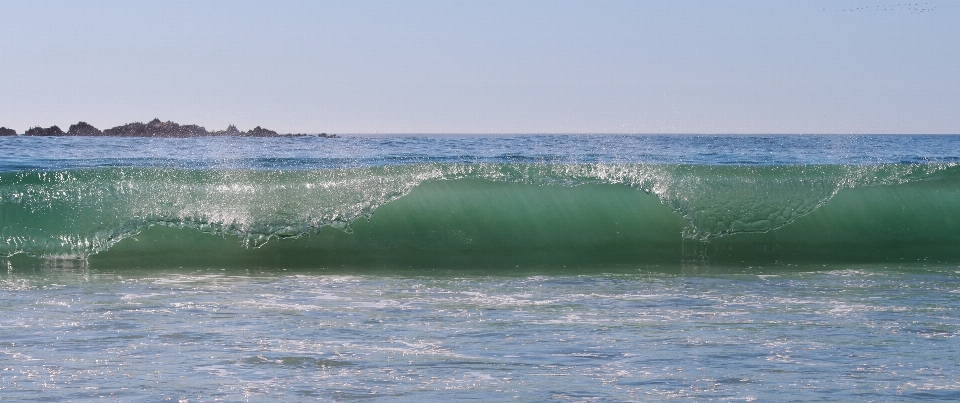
<point>485,66</point>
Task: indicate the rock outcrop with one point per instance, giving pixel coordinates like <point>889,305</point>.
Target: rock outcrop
<point>83,129</point>
<point>153,128</point>
<point>156,128</point>
<point>231,131</point>
<point>260,132</point>
<point>39,131</point>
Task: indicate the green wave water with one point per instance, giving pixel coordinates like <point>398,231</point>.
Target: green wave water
<point>491,215</point>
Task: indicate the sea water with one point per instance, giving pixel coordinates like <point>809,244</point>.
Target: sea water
<point>509,268</point>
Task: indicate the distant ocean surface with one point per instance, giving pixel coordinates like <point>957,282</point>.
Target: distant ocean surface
<point>490,268</point>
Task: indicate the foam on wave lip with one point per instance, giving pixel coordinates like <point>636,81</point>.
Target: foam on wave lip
<point>82,212</point>
<point>723,200</point>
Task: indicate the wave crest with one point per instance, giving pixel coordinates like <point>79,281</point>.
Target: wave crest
<point>82,212</point>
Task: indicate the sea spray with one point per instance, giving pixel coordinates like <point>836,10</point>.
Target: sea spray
<point>82,212</point>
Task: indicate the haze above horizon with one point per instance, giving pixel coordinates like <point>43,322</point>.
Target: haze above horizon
<point>494,67</point>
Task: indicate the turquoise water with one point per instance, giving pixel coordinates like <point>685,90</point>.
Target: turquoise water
<point>528,268</point>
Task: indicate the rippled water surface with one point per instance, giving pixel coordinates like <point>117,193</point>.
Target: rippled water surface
<point>853,333</point>
<point>22,153</point>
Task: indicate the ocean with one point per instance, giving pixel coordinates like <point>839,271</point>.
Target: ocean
<point>492,268</point>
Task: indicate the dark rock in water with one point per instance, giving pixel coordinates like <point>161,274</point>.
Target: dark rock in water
<point>153,128</point>
<point>39,131</point>
<point>231,131</point>
<point>83,129</point>
<point>255,132</point>
<point>156,128</point>
<point>329,136</point>
<point>260,132</point>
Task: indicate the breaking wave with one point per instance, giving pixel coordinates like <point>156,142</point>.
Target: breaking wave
<point>486,213</point>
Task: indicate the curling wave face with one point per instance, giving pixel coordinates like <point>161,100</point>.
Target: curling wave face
<point>487,214</point>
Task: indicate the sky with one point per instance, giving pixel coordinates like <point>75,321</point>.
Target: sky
<point>512,67</point>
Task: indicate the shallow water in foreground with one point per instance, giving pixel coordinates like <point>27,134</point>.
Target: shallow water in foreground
<point>786,334</point>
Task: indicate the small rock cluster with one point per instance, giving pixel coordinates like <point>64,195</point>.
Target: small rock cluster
<point>154,128</point>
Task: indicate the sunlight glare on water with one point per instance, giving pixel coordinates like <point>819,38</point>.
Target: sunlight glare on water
<point>83,334</point>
